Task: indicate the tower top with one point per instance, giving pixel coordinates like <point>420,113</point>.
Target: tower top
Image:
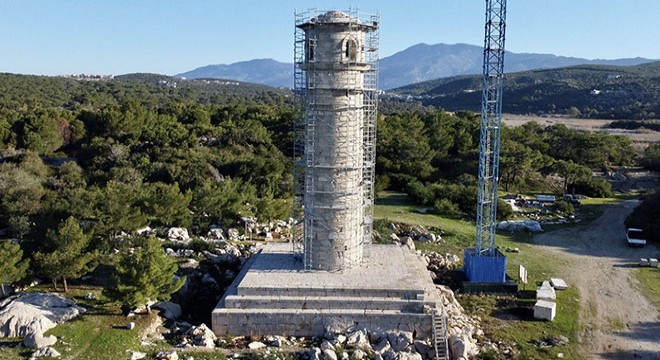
<point>340,18</point>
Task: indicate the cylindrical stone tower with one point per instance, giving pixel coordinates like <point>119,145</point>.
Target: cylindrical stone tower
<point>334,194</point>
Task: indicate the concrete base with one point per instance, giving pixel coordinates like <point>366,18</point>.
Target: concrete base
<point>545,310</point>
<point>558,284</point>
<point>546,292</point>
<point>274,295</point>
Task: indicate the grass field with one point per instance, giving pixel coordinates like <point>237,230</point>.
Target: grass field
<point>649,280</point>
<point>504,317</point>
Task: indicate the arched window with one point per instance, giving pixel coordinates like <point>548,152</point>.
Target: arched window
<point>311,47</point>
<point>350,50</point>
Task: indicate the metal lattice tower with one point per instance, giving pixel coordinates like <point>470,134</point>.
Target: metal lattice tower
<point>491,118</point>
<point>335,83</point>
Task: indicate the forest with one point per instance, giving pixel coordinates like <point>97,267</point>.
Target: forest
<point>83,163</point>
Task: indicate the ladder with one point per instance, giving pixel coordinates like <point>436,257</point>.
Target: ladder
<point>440,335</point>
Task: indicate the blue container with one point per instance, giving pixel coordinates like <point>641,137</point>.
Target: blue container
<point>487,267</point>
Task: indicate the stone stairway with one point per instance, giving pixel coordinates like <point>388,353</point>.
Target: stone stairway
<point>440,334</point>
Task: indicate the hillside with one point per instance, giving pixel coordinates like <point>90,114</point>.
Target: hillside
<point>415,64</point>
<point>593,91</point>
<point>91,92</point>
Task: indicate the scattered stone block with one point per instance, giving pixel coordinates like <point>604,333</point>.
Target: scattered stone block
<point>653,263</point>
<point>558,284</point>
<point>643,262</point>
<point>545,310</point>
<point>546,292</point>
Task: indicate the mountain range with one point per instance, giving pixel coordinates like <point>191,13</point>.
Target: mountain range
<point>592,91</point>
<point>421,62</point>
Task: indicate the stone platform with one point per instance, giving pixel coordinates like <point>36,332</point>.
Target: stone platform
<point>274,295</point>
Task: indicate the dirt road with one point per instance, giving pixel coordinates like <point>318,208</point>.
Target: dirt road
<point>617,321</point>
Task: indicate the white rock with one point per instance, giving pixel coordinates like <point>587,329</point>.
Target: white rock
<point>358,339</point>
<point>177,233</point>
<point>27,313</point>
<point>216,234</point>
<point>315,354</point>
<point>169,310</point>
<point>256,345</point>
<point>344,356</point>
<point>461,346</point>
<point>326,345</point>
<point>203,336</point>
<point>409,243</point>
<point>277,341</point>
<point>408,356</point>
<point>37,340</point>
<point>328,354</point>
<point>358,354</point>
<point>144,231</point>
<point>136,355</point>
<point>167,355</point>
<point>90,296</point>
<point>45,352</point>
<point>233,234</point>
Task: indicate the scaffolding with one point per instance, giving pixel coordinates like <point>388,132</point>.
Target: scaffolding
<point>335,83</point>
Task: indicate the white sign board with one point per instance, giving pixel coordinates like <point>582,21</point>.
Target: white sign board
<point>522,274</point>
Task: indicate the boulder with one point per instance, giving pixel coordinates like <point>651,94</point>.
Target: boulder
<point>256,345</point>
<point>203,336</point>
<point>400,341</point>
<point>461,347</point>
<point>358,354</point>
<point>327,345</point>
<point>408,241</point>
<point>314,354</point>
<point>145,231</point>
<point>233,234</point>
<point>382,346</point>
<point>45,352</point>
<point>178,234</point>
<point>328,354</point>
<point>167,355</point>
<point>422,347</point>
<point>404,355</point>
<point>169,310</point>
<point>358,339</point>
<point>277,341</point>
<point>28,313</point>
<point>136,355</point>
<point>37,340</point>
<point>216,234</point>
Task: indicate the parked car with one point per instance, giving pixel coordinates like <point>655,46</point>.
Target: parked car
<point>635,237</point>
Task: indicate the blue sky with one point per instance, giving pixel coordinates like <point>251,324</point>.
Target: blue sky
<point>54,37</point>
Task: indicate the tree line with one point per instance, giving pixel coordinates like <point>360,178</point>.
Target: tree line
<point>93,161</point>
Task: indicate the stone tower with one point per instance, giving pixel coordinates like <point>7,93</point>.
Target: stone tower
<point>337,195</point>
<point>334,135</point>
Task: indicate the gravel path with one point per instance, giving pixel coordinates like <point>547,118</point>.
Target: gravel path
<point>617,321</point>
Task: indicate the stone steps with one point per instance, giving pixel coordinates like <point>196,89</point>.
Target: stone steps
<point>323,302</point>
<point>292,322</point>
<point>305,291</point>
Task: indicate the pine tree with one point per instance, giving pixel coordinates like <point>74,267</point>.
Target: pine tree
<point>68,256</point>
<point>144,274</point>
<point>12,266</point>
